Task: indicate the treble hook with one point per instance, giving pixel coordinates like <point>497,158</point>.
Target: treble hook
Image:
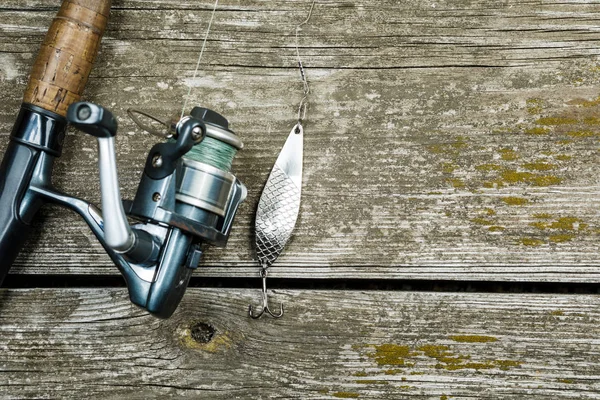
<point>265,300</point>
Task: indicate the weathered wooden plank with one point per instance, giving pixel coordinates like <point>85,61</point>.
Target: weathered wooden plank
<point>455,139</point>
<point>92,343</point>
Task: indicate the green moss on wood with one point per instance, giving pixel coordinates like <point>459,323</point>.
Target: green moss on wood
<point>534,106</point>
<point>457,183</point>
<point>460,143</point>
<point>508,154</point>
<point>546,180</point>
<point>561,238</point>
<point>443,355</point>
<point>581,133</point>
<point>585,103</point>
<point>392,354</point>
<point>488,167</point>
<point>393,371</point>
<point>449,148</point>
<point>539,166</point>
<point>539,225</point>
<point>473,339</point>
<point>482,221</point>
<point>513,177</point>
<point>505,365</point>
<point>566,380</point>
<point>515,201</point>
<point>555,121</point>
<point>570,227</point>
<point>493,184</point>
<point>538,130</point>
<point>452,362</point>
<point>398,355</point>
<point>448,168</point>
<point>563,157</point>
<point>568,224</point>
<point>531,242</point>
<point>496,228</point>
<point>591,120</point>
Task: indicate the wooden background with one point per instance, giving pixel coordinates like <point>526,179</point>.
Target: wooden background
<point>445,140</point>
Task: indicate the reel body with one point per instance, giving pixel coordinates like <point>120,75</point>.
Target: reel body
<point>181,204</point>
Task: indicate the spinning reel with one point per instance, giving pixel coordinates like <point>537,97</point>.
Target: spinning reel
<point>181,204</point>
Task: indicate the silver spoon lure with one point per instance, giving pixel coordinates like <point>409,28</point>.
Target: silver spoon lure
<point>278,210</point>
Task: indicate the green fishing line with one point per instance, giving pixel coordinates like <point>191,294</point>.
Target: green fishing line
<point>213,152</point>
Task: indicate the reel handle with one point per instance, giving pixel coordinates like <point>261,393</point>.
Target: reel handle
<point>99,122</point>
<point>137,246</point>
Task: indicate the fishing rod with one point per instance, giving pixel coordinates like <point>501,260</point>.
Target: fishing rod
<point>187,196</point>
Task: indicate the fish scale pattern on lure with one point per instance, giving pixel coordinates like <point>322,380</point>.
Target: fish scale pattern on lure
<point>276,216</point>
<point>279,203</point>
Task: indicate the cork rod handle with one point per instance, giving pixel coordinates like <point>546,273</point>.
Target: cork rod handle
<point>68,52</point>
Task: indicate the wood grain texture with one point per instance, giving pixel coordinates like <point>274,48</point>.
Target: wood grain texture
<point>64,63</point>
<point>444,140</point>
<point>388,345</point>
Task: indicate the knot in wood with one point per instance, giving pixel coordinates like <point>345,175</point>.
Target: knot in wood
<point>201,332</point>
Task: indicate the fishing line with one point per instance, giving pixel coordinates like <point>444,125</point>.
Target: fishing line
<point>303,102</point>
<point>210,151</point>
<point>213,152</point>
<point>212,17</point>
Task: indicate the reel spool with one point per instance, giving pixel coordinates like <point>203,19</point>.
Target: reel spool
<point>204,181</point>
